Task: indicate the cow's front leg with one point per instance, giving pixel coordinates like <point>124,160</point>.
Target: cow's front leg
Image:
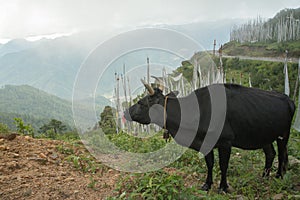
<point>209,159</point>
<point>224,155</point>
<point>270,155</point>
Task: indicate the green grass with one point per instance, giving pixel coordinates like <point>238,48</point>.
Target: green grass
<point>183,178</point>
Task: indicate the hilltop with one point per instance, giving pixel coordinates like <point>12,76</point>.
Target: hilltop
<point>267,38</point>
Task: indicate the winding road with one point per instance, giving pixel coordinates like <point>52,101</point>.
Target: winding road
<point>273,59</point>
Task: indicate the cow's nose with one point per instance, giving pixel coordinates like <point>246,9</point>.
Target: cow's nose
<point>127,115</point>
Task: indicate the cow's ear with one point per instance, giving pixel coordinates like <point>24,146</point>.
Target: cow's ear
<point>173,94</point>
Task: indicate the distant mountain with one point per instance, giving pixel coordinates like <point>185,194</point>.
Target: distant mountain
<point>52,65</point>
<point>206,32</point>
<point>26,100</point>
<point>36,106</point>
<point>17,45</point>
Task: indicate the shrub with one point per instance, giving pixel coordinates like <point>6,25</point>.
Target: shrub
<point>3,128</point>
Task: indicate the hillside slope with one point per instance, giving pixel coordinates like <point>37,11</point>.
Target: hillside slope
<point>37,107</point>
<point>36,104</point>
<point>39,169</point>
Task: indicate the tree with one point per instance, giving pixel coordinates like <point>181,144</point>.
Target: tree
<point>107,122</point>
<point>54,125</point>
<point>57,126</point>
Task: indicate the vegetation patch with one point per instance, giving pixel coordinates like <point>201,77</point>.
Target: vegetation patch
<point>262,49</point>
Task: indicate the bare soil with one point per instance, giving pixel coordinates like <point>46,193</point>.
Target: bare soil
<point>36,169</point>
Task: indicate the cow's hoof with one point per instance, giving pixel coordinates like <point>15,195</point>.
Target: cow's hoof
<point>223,190</point>
<point>266,173</point>
<point>285,168</point>
<point>278,175</point>
<point>206,187</point>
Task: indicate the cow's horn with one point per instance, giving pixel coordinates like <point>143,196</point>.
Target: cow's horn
<point>159,82</point>
<point>148,87</point>
<point>156,78</point>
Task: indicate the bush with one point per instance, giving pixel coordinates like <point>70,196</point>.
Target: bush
<point>68,136</point>
<point>23,128</point>
<point>137,145</point>
<point>3,128</point>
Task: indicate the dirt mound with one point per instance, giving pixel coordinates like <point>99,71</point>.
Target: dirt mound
<point>44,169</point>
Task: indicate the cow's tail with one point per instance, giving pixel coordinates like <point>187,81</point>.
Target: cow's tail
<point>282,143</point>
<point>292,107</point>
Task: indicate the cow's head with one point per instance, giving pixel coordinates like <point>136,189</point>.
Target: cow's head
<point>149,109</point>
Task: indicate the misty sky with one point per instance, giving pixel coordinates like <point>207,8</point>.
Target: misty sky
<point>28,18</point>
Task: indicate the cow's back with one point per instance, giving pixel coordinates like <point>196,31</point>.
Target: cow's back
<point>257,117</point>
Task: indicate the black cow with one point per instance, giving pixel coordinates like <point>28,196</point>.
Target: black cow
<point>254,118</point>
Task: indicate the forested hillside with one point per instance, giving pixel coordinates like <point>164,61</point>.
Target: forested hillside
<point>266,75</point>
<point>263,74</point>
<point>37,107</point>
<point>32,105</point>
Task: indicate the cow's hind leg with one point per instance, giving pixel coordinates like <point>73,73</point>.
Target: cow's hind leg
<point>285,161</point>
<point>224,155</point>
<point>209,159</point>
<point>282,154</point>
<point>270,155</point>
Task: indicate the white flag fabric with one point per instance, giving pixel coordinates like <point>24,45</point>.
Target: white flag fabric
<point>297,120</point>
<point>219,77</point>
<point>199,73</point>
<point>286,82</point>
<point>195,75</point>
<point>177,78</point>
<point>250,84</point>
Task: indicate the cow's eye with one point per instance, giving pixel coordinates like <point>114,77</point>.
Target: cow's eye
<point>142,103</point>
<point>154,101</point>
